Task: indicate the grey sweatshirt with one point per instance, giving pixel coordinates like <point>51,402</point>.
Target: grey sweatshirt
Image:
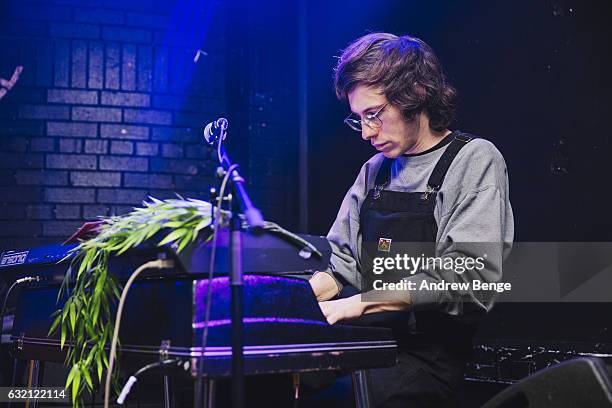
<point>472,206</point>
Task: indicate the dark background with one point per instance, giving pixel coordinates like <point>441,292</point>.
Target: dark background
<point>529,74</point>
<point>110,109</point>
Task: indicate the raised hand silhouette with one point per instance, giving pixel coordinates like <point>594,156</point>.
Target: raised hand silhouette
<point>7,85</point>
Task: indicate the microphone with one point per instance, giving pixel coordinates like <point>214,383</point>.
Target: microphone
<point>214,129</point>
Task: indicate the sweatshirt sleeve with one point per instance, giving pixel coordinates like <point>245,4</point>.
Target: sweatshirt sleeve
<point>474,219</point>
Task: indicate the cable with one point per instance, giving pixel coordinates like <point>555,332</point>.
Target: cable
<point>8,293</point>
<point>134,377</point>
<point>219,157</point>
<point>4,302</point>
<point>290,236</point>
<point>211,268</point>
<point>296,389</point>
<point>157,264</point>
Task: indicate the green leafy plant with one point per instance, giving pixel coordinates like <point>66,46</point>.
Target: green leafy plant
<point>84,321</point>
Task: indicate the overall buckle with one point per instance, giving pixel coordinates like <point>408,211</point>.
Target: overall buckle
<point>377,190</point>
<point>429,190</point>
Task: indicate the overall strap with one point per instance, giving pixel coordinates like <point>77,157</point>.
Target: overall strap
<point>439,172</point>
<point>383,177</point>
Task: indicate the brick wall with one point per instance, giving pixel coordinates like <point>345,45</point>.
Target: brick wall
<point>110,106</point>
<point>108,110</point>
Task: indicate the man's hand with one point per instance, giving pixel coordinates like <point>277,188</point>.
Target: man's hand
<point>353,307</point>
<point>86,231</point>
<point>323,286</point>
<point>343,309</point>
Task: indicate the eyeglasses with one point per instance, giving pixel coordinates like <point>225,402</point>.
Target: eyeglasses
<point>371,120</point>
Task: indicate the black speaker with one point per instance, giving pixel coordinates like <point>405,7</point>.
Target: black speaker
<point>582,382</point>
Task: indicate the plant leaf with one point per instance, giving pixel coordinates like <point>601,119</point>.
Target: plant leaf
<point>66,309</point>
<point>173,236</point>
<point>85,318</point>
<point>85,263</point>
<point>90,329</point>
<point>87,377</point>
<point>56,323</point>
<point>186,239</point>
<point>76,383</point>
<point>96,310</point>
<point>99,364</point>
<point>72,316</point>
<point>63,337</point>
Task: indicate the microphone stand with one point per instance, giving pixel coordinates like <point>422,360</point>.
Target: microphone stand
<point>240,203</point>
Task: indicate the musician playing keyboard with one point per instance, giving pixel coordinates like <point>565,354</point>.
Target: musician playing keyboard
<point>426,184</point>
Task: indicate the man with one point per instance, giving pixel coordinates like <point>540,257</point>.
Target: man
<point>426,184</point>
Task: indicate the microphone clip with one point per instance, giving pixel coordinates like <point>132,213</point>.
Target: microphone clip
<point>216,131</point>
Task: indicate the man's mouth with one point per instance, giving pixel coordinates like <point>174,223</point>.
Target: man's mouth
<point>380,146</point>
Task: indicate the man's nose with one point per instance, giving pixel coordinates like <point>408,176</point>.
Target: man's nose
<point>367,132</point>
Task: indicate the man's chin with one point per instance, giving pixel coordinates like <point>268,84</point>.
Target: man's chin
<point>391,154</point>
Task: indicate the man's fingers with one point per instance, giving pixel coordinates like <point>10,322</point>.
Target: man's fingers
<point>331,317</point>
<point>323,286</point>
<point>2,92</point>
<point>328,312</point>
<point>324,308</point>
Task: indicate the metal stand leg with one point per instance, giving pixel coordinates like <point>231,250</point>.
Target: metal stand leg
<point>14,374</point>
<point>167,392</point>
<point>33,380</point>
<point>209,393</point>
<point>13,377</point>
<point>360,389</point>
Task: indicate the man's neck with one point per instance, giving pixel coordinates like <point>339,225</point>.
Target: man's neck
<point>427,138</point>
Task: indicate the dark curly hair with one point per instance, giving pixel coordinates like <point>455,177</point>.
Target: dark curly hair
<point>405,69</point>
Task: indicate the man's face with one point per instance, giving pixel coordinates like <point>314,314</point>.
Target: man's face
<point>396,136</point>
